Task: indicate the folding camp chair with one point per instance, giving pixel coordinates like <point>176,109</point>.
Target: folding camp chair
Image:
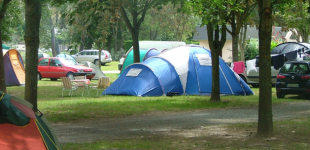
<point>68,85</point>
<point>102,84</point>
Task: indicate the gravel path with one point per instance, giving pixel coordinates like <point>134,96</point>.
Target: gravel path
<point>157,124</point>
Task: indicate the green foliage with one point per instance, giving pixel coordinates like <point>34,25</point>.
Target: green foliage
<point>127,45</point>
<point>12,26</point>
<point>252,49</point>
<point>273,45</point>
<point>192,42</point>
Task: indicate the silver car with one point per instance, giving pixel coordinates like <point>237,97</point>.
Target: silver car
<point>93,56</point>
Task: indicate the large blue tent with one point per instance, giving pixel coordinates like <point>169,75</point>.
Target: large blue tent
<point>184,70</point>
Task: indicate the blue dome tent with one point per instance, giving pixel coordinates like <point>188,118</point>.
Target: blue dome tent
<point>184,70</point>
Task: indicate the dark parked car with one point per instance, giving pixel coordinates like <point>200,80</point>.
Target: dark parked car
<point>293,78</point>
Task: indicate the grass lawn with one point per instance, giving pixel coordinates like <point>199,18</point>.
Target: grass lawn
<point>291,134</point>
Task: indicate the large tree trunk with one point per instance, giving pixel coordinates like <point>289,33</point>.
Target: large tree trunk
<point>216,46</point>
<point>53,42</point>
<point>265,124</point>
<point>135,43</point>
<point>235,38</point>
<point>242,42</point>
<point>2,70</point>
<point>32,25</point>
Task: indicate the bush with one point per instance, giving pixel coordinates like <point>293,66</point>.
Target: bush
<point>252,49</point>
<point>127,45</point>
<point>192,42</point>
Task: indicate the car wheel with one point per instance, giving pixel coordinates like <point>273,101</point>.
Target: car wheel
<point>39,76</point>
<point>255,85</point>
<point>96,62</point>
<point>54,79</point>
<point>279,95</point>
<point>70,75</point>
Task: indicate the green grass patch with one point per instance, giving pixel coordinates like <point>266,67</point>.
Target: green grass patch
<point>121,144</point>
<point>110,66</point>
<point>78,107</point>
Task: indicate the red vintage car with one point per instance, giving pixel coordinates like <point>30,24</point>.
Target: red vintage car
<point>55,67</point>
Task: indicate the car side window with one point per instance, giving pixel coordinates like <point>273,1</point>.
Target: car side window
<point>93,53</point>
<point>57,62</point>
<point>52,62</point>
<point>43,62</point>
<point>96,53</point>
<point>82,53</point>
<point>88,53</point>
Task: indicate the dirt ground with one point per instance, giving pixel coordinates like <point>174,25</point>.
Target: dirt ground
<point>206,128</point>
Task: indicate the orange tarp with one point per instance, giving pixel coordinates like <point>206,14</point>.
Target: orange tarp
<point>21,138</point>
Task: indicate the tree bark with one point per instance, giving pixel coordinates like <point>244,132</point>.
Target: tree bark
<point>134,27</point>
<point>242,42</point>
<point>2,70</point>
<point>235,38</point>
<point>265,122</point>
<point>216,46</point>
<point>53,42</point>
<point>32,25</point>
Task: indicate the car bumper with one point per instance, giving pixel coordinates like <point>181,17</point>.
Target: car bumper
<point>297,91</point>
<point>88,75</point>
<point>106,60</point>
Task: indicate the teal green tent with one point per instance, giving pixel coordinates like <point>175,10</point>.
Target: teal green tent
<point>5,47</point>
<point>129,58</point>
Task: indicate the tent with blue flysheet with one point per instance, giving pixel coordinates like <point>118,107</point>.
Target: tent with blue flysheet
<point>184,70</point>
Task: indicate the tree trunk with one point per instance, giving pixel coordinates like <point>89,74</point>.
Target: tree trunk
<point>81,47</point>
<point>2,70</point>
<point>235,39</point>
<point>109,44</point>
<point>53,42</point>
<point>135,43</point>
<point>216,46</point>
<point>32,41</point>
<point>115,33</point>
<point>265,122</point>
<point>242,42</point>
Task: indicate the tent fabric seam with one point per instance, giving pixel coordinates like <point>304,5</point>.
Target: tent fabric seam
<point>38,123</point>
<point>226,80</point>
<point>2,96</point>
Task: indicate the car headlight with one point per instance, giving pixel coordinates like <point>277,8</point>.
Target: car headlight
<point>80,70</point>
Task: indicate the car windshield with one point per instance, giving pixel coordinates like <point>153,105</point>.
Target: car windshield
<point>68,62</point>
<point>301,68</point>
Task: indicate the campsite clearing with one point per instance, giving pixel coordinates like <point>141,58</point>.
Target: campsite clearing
<point>229,128</point>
